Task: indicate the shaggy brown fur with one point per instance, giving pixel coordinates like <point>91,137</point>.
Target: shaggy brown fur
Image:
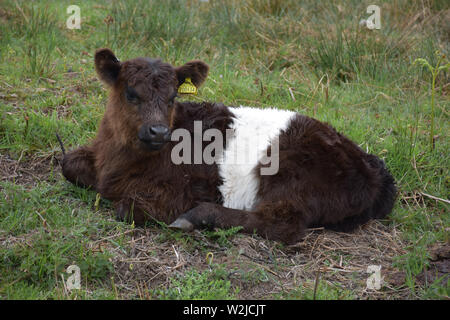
<point>324,179</point>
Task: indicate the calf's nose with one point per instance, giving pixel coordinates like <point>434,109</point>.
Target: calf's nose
<point>158,131</point>
<point>154,133</point>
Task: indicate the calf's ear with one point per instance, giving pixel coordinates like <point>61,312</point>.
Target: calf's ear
<point>107,66</point>
<point>196,70</point>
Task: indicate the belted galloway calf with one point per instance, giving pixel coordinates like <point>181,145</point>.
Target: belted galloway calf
<point>314,175</point>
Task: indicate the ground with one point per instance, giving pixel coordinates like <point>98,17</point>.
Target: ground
<point>313,58</point>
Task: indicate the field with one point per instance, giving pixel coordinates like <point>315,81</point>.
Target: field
<point>313,57</point>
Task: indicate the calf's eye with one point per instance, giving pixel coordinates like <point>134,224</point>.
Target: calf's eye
<point>131,95</point>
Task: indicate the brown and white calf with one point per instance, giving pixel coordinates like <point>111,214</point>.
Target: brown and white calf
<point>323,178</point>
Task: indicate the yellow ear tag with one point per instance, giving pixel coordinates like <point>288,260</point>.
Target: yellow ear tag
<point>187,87</point>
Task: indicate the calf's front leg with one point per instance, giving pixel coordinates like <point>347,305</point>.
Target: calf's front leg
<point>267,220</point>
<point>78,167</point>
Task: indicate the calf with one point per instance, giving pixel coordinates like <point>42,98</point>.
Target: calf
<point>321,177</point>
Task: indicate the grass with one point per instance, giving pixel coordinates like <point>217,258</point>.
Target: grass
<point>323,291</point>
<point>434,72</point>
<point>311,57</point>
<point>208,285</point>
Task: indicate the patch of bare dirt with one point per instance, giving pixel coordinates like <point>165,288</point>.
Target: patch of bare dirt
<point>25,170</point>
<point>439,265</point>
<point>438,269</point>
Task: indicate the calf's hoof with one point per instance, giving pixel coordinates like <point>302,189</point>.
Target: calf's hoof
<point>201,217</point>
<point>182,224</point>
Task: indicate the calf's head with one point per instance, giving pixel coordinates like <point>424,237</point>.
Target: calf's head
<point>141,105</point>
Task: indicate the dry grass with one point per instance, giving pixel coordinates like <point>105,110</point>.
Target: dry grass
<point>26,170</point>
<point>337,257</point>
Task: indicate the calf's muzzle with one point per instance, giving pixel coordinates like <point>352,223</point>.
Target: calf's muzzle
<point>154,136</point>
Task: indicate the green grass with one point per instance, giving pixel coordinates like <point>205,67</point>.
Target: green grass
<point>362,82</point>
<point>207,285</point>
<point>323,291</point>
